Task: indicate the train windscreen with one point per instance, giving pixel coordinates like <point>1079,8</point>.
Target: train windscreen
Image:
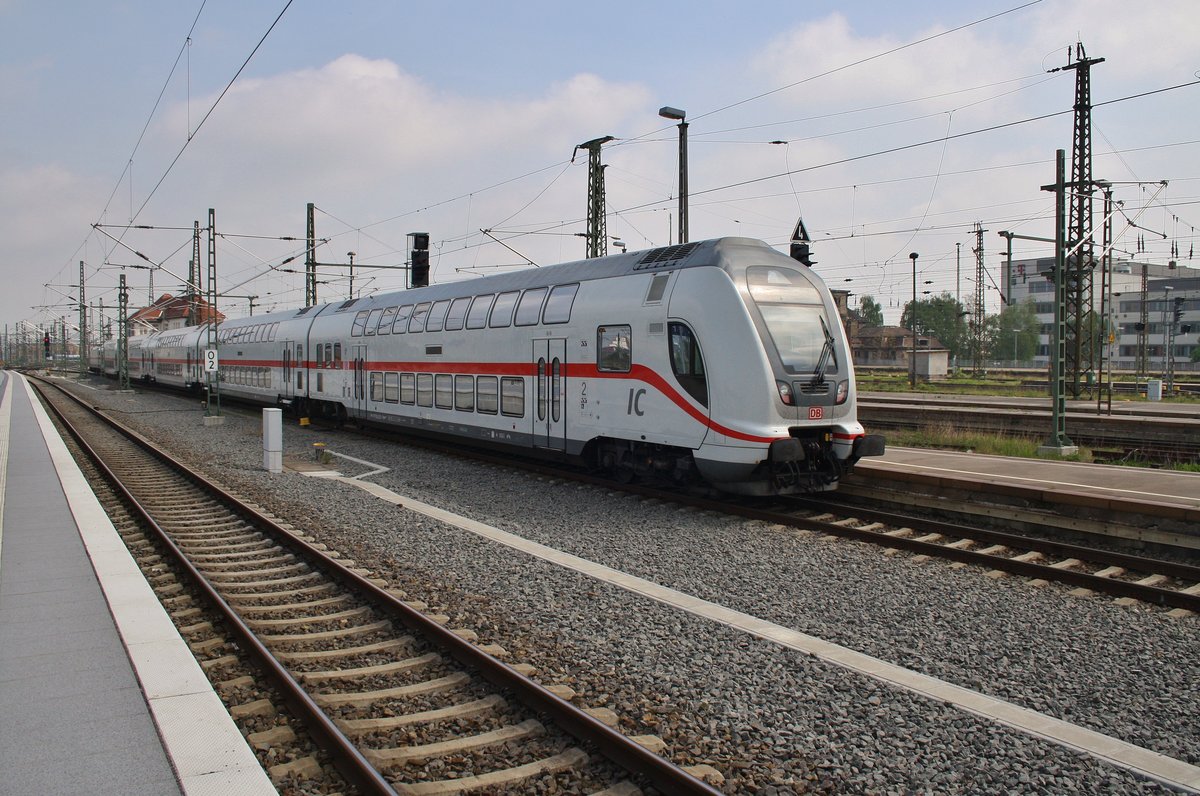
<point>792,309</point>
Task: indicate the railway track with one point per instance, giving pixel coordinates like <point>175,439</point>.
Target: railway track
<point>397,701</point>
<point>1124,576</point>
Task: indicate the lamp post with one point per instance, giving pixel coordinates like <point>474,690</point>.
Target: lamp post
<point>912,321</point>
<point>351,256</point>
<point>667,112</point>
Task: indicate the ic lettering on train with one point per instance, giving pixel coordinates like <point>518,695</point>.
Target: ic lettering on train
<point>635,402</point>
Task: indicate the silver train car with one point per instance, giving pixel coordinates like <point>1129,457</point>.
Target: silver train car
<point>720,360</point>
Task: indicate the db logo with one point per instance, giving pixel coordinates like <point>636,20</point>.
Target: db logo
<point>815,413</point>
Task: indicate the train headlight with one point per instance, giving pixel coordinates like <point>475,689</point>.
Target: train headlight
<point>843,391</point>
<point>785,393</point>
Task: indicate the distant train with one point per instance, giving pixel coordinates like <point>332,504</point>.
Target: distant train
<point>722,360</point>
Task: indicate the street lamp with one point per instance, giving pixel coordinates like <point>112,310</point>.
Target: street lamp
<point>667,112</point>
<point>351,256</point>
<point>912,321</point>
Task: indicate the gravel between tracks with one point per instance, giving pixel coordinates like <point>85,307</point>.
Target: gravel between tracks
<point>770,719</point>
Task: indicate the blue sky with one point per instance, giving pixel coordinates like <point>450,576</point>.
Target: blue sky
<point>452,118</point>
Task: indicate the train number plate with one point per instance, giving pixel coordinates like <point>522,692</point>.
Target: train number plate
<point>815,412</point>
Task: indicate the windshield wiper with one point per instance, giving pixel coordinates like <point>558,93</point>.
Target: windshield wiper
<point>826,354</point>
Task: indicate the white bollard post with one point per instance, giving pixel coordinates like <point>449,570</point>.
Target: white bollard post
<point>273,440</point>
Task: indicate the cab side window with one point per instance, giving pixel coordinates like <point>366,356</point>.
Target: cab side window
<point>614,347</point>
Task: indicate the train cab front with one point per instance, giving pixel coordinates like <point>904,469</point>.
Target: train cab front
<point>814,379</point>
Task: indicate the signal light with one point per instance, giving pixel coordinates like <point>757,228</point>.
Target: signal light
<point>420,268</point>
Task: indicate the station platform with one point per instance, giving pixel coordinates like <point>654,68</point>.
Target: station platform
<point>1174,488</point>
<point>98,691</point>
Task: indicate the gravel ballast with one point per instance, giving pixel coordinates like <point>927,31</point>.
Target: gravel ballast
<point>770,719</point>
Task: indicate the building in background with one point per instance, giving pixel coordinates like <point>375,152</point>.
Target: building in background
<point>1171,303</point>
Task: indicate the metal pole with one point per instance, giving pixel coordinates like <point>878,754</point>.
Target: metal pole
<point>1058,442</point>
<point>83,338</point>
<point>683,183</point>
<point>667,112</point>
<point>912,321</point>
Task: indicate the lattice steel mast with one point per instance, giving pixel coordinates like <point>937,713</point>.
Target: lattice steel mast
<point>1080,318</point>
<point>597,232</point>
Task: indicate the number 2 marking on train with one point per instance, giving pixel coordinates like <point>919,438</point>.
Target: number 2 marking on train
<point>635,402</point>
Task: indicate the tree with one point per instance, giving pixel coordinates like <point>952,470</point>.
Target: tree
<point>942,317</point>
<point>1014,334</point>
<point>870,312</point>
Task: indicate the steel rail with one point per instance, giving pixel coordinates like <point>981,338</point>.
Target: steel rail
<point>347,758</point>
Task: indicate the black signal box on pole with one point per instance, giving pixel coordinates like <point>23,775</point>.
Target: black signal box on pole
<point>420,258</point>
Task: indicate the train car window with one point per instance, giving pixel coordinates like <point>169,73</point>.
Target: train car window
<point>320,382</point>
<point>329,354</point>
<point>512,396</point>
<point>464,393</point>
<point>686,361</point>
<point>300,380</point>
<point>487,394</point>
<point>391,387</point>
<point>274,330</point>
<point>372,322</point>
<point>300,354</point>
<point>320,355</point>
<point>400,325</point>
<point>420,313</point>
<point>444,391</point>
<point>437,314</point>
<point>376,386</point>
<point>457,314</point>
<point>408,388</point>
<point>558,306</point>
<point>424,389</point>
<point>614,347</point>
<point>360,324</point>
<point>529,308</point>
<point>502,310</point>
<point>385,323</point>
<point>337,355</point>
<point>555,390</point>
<point>658,287</point>
<point>541,388</point>
<point>774,285</point>
<point>477,315</point>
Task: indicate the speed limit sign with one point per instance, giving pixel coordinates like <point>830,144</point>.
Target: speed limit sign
<point>210,360</point>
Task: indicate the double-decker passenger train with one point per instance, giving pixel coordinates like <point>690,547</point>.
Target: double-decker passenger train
<point>721,359</point>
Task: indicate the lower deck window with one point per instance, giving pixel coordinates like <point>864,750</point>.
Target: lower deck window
<point>424,389</point>
<point>487,394</point>
<point>408,388</point>
<point>444,391</point>
<point>376,386</point>
<point>391,387</point>
<point>464,393</point>
<point>512,396</point>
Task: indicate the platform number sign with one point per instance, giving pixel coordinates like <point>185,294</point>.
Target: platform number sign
<point>210,360</point>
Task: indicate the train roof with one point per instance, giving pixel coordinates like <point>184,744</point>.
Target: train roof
<point>722,252</point>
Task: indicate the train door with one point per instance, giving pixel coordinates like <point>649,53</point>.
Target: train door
<point>549,413</point>
<point>286,388</point>
<point>358,364</point>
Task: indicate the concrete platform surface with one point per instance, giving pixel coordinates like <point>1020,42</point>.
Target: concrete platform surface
<point>98,692</point>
